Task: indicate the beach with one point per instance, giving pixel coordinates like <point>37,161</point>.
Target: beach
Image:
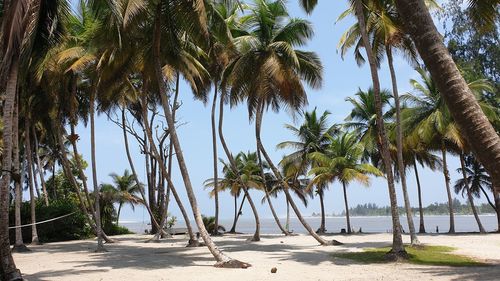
<point>295,258</point>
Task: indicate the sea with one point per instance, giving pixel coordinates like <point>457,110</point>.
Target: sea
<point>368,224</point>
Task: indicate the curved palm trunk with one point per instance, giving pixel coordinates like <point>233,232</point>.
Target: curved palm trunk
<point>275,216</point>
<point>7,265</point>
<point>420,208</point>
<point>321,228</point>
<point>469,195</point>
<point>214,150</point>
<point>29,155</point>
<point>399,144</point>
<point>260,147</point>
<point>461,102</point>
<point>348,219</point>
<point>237,215</point>
<point>446,174</point>
<point>40,169</point>
<point>397,250</point>
<point>256,235</point>
<point>97,197</point>
<point>19,243</point>
<point>222,259</point>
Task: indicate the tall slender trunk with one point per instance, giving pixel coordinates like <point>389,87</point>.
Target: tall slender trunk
<point>256,236</point>
<point>222,259</point>
<point>19,243</point>
<point>469,195</point>
<point>321,228</point>
<point>215,160</point>
<point>420,207</point>
<point>35,179</point>
<point>29,158</point>
<point>463,106</point>
<point>397,250</point>
<point>7,264</point>
<point>399,145</point>
<point>287,224</point>
<point>348,219</point>
<point>40,169</point>
<point>446,174</point>
<point>260,147</point>
<point>237,216</point>
<point>97,197</point>
<point>155,227</point>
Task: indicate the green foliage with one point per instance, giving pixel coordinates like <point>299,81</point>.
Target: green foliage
<point>427,255</point>
<point>73,227</point>
<point>114,229</point>
<point>209,223</point>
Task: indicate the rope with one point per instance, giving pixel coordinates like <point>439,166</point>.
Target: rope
<point>40,222</point>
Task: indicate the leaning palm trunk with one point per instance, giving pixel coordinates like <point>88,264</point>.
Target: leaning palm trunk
<point>397,249</point>
<point>97,197</point>
<point>399,145</point>
<point>463,106</point>
<point>237,214</point>
<point>260,147</point>
<point>19,243</point>
<point>348,219</point>
<point>446,174</point>
<point>40,169</point>
<point>256,236</point>
<point>29,155</point>
<point>7,265</point>
<point>469,195</point>
<point>222,259</point>
<point>214,151</point>
<point>420,208</point>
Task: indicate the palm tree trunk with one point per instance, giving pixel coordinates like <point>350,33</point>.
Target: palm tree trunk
<point>322,228</point>
<point>348,219</point>
<point>469,195</point>
<point>397,250</point>
<point>215,159</point>
<point>275,216</point>
<point>399,144</point>
<point>29,155</point>
<point>497,204</point>
<point>420,208</point>
<point>40,169</point>
<point>463,106</point>
<point>7,265</point>
<point>260,147</point>
<point>446,174</point>
<point>100,245</point>
<point>256,236</point>
<point>222,259</point>
<point>237,215</point>
<point>19,243</point>
<point>287,224</point>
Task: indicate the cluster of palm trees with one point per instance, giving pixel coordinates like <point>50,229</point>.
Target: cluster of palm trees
<point>125,58</point>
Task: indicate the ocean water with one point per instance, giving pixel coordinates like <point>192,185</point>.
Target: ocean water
<point>463,223</point>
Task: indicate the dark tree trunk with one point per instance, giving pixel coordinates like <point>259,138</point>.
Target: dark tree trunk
<point>446,174</point>
<point>222,259</point>
<point>215,159</point>
<point>399,144</point>
<point>40,169</point>
<point>237,216</point>
<point>463,106</point>
<point>469,195</point>
<point>348,219</point>
<point>29,158</point>
<point>397,250</point>
<point>322,228</point>
<point>420,207</point>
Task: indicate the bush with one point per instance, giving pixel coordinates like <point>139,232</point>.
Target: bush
<point>73,227</point>
<point>117,230</point>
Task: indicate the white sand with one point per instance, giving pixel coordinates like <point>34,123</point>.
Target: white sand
<point>296,258</point>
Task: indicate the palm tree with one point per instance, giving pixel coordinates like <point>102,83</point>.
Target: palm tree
<point>314,136</point>
<point>463,106</point>
<point>266,55</point>
<point>127,190</point>
<point>342,161</point>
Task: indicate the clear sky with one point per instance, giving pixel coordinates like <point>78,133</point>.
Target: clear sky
<point>342,78</point>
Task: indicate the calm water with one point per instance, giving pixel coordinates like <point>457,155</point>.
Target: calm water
<point>334,224</point>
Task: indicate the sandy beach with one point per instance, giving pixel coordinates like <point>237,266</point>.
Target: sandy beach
<point>296,258</point>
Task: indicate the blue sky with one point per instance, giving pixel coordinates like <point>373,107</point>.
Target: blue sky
<point>342,78</point>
